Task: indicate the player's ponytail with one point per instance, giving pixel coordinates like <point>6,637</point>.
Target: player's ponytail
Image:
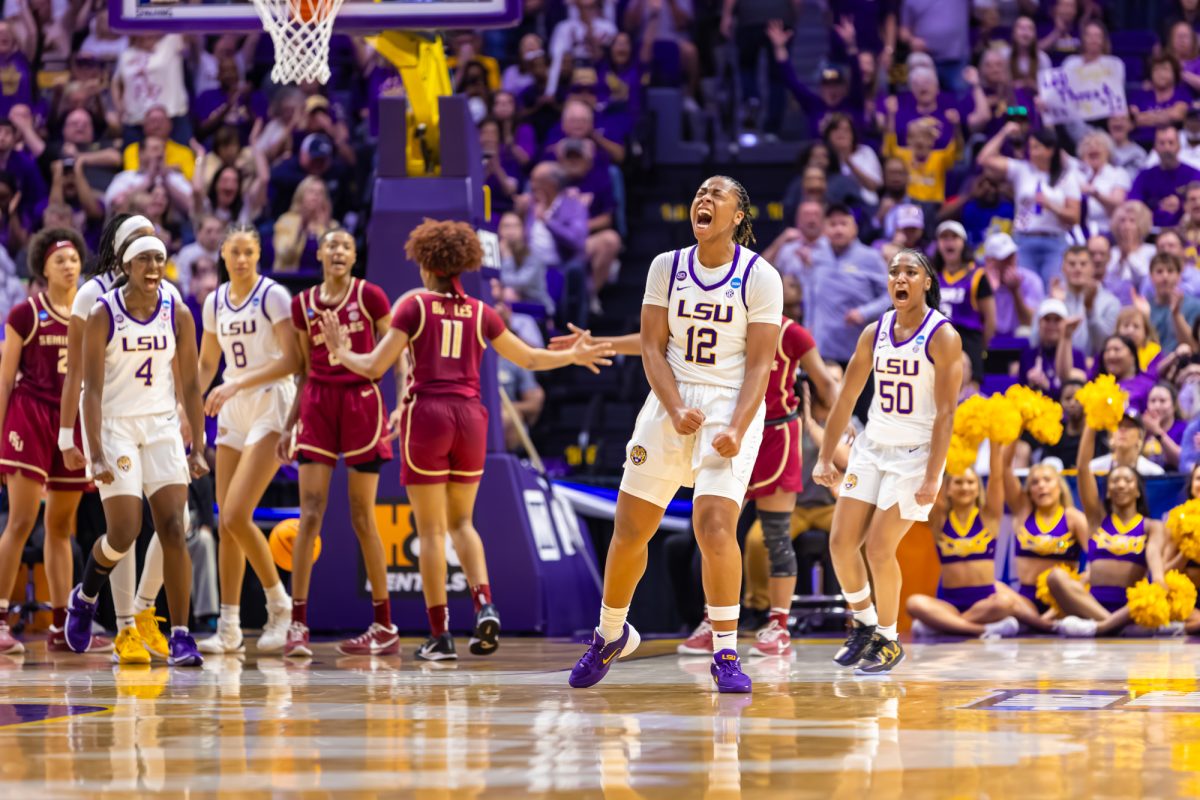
<point>106,256</point>
<point>743,234</point>
<point>933,295</point>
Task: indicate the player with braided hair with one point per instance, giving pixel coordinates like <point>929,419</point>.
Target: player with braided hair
<point>443,430</point>
<point>709,333</point>
<point>896,466</point>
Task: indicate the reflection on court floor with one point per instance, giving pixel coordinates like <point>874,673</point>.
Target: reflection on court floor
<point>1023,719</point>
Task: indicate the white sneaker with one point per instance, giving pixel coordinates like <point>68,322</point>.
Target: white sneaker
<point>274,635</point>
<point>1009,626</point>
<point>225,640</point>
<point>1170,629</point>
<point>1076,628</point>
<point>920,630</point>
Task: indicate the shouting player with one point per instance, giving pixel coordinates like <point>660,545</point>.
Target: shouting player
<point>444,427</point>
<point>139,636</point>
<point>896,466</point>
<point>337,413</point>
<point>136,339</point>
<point>710,328</point>
<point>31,377</point>
<point>248,321</point>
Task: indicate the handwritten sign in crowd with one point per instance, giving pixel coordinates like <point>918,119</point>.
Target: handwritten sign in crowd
<point>1080,92</point>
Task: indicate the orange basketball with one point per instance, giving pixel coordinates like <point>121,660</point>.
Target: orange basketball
<point>283,536</point>
<point>306,10</point>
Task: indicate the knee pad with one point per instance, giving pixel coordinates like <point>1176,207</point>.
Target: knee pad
<point>111,553</point>
<point>777,538</point>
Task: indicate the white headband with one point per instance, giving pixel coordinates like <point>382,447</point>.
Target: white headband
<point>127,229</point>
<point>146,244</point>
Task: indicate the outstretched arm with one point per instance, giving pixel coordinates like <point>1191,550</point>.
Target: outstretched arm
<point>993,506</point>
<point>584,352</point>
<point>628,345</point>
<point>1089,492</point>
<point>370,365</point>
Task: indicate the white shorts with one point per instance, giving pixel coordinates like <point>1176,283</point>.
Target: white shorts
<point>658,460</point>
<point>252,415</point>
<point>883,476</point>
<point>144,453</point>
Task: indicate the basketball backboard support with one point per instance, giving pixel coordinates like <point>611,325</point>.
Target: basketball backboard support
<point>186,16</point>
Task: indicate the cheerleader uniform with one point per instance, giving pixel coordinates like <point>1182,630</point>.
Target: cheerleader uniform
<point>1053,542</point>
<point>969,541</point>
<point>1117,542</point>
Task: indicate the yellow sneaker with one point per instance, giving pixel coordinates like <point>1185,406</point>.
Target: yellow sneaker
<point>151,634</point>
<point>128,648</point>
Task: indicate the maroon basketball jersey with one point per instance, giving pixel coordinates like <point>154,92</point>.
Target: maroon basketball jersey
<point>794,342</point>
<point>43,348</point>
<point>357,312</point>
<point>447,336</point>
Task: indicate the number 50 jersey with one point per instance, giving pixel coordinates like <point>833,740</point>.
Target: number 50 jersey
<point>710,310</point>
<point>904,405</point>
<point>138,380</point>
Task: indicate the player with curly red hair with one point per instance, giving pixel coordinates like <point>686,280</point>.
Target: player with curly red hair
<point>443,431</point>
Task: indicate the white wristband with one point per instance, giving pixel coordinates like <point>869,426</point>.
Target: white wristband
<point>66,439</point>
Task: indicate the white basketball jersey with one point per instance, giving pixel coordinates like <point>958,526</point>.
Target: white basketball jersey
<point>246,332</point>
<point>138,379</point>
<point>904,405</point>
<point>92,288</point>
<point>709,312</point>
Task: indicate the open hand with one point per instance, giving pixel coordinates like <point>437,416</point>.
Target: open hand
<point>586,352</point>
<point>335,340</point>
<point>778,35</point>
<point>219,396</point>
<point>565,341</point>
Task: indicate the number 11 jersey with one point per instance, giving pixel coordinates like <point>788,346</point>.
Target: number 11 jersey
<point>447,336</point>
<point>904,405</point>
<point>710,310</point>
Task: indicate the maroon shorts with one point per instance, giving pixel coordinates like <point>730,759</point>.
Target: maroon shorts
<point>342,418</point>
<point>778,466</point>
<point>30,446</point>
<point>443,439</point>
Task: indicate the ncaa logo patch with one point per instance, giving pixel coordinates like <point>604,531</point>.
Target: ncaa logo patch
<point>311,313</point>
<point>42,315</point>
<point>353,316</point>
<point>851,481</point>
<point>124,464</point>
<point>921,339</point>
<point>680,275</point>
<point>637,456</point>
<point>736,283</point>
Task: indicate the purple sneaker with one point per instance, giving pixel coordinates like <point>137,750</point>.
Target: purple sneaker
<point>183,651</point>
<point>594,665</point>
<point>727,673</point>
<point>80,614</point>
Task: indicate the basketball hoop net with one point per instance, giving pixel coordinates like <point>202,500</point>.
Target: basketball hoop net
<point>300,30</point>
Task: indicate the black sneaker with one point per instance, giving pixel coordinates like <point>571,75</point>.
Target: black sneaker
<point>437,648</point>
<point>486,636</point>
<point>856,644</point>
<point>881,657</point>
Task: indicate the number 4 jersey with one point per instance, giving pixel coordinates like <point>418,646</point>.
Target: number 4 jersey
<point>447,337</point>
<point>904,405</point>
<point>710,309</point>
<point>138,380</point>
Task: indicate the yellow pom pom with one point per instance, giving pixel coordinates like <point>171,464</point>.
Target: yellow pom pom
<point>1148,604</point>
<point>1044,595</point>
<point>1041,415</point>
<point>1183,525</point>
<point>1103,403</point>
<point>1181,595</point>
<point>961,456</point>
<point>1004,420</point>
<point>971,420</point>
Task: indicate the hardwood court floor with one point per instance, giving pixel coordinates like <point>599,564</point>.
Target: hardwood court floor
<point>1015,719</point>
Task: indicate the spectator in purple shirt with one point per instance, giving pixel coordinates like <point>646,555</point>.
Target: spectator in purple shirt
<point>1039,367</point>
<point>1001,94</point>
<point>27,179</point>
<point>840,89</point>
<point>518,140</point>
<point>15,224</point>
<point>924,100</point>
<point>502,173</point>
<point>234,102</point>
<point>1018,291</point>
<point>1183,43</point>
<point>1164,103</point>
<point>594,188</point>
<point>1060,34</point>
<point>16,77</point>
<point>579,122</point>
<point>1164,428</point>
<point>557,226</point>
<point>1163,187</point>
<point>1118,357</point>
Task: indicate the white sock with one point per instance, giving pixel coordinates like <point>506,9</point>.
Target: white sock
<point>888,632</point>
<point>724,640</point>
<point>124,622</point>
<point>152,571</point>
<point>179,629</point>
<point>277,597</point>
<point>612,622</point>
<point>867,616</point>
<point>122,580</point>
<point>231,616</point>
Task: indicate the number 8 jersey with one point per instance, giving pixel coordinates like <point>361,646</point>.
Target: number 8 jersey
<point>138,380</point>
<point>246,332</point>
<point>904,405</point>
<point>709,311</point>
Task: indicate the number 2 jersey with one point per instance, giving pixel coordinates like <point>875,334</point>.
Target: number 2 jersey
<point>357,312</point>
<point>447,337</point>
<point>43,335</point>
<point>904,405</point>
<point>138,379</point>
<point>710,310</point>
<point>246,332</point>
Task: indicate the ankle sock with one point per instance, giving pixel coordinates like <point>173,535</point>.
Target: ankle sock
<point>277,596</point>
<point>888,632</point>
<point>481,595</point>
<point>780,615</point>
<point>300,611</point>
<point>612,622</point>
<point>439,620</point>
<point>383,612</point>
<point>867,616</point>
<point>59,614</point>
<point>231,616</point>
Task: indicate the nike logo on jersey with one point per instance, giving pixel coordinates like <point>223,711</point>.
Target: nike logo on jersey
<point>913,450</point>
<point>366,392</point>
